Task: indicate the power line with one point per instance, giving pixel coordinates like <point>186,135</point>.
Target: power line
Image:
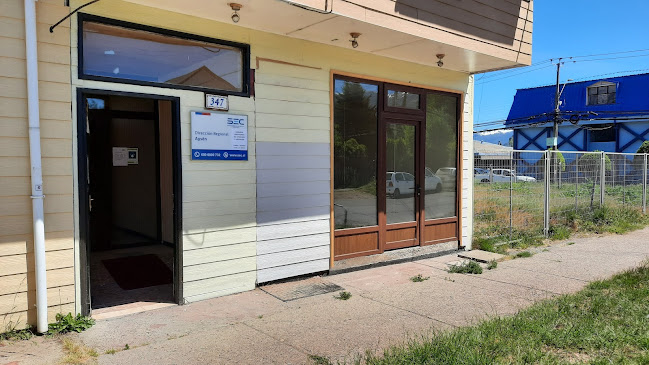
<point>517,74</point>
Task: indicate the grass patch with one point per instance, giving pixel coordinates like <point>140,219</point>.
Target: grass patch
<point>559,232</point>
<point>492,265</point>
<point>606,323</point>
<point>78,354</point>
<point>419,278</point>
<point>343,295</point>
<point>467,267</point>
<point>570,243</point>
<point>523,254</point>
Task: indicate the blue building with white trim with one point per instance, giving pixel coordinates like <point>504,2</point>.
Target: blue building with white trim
<point>610,115</point>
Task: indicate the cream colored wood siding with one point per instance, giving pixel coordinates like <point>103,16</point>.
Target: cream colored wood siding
<point>293,171</point>
<point>17,278</point>
<point>226,234</point>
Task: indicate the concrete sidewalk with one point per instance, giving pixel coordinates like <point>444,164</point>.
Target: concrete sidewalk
<point>386,308</point>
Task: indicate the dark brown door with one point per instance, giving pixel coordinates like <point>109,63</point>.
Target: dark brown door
<point>402,183</point>
<point>99,162</point>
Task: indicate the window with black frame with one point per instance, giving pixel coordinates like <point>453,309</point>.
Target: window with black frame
<point>118,53</point>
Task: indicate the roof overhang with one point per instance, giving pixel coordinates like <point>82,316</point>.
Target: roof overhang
<point>333,27</point>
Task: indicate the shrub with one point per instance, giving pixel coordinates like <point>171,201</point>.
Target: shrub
<point>467,267</point>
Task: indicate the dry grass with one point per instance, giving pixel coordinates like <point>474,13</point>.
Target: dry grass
<point>77,353</point>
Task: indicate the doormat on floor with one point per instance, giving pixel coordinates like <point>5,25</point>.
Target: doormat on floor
<point>293,290</point>
<point>135,272</point>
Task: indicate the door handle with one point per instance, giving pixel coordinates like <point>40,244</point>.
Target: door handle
<point>90,199</point>
<point>418,190</point>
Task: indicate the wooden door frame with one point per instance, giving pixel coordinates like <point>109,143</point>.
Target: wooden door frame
<point>82,183</point>
<point>423,90</point>
<point>411,120</point>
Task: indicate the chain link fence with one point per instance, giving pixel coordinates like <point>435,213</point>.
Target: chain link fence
<point>524,194</point>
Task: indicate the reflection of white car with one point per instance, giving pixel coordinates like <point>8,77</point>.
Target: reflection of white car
<point>403,183</point>
<point>502,175</point>
<point>448,175</point>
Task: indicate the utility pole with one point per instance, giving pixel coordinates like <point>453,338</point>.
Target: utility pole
<point>555,135</point>
<point>556,110</point>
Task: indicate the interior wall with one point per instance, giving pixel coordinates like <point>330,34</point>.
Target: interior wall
<point>134,187</point>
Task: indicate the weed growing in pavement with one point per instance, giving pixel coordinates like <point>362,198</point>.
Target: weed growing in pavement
<point>467,267</point>
<point>343,295</point>
<point>68,323</point>
<point>523,254</point>
<point>570,243</point>
<point>320,360</point>
<point>492,265</point>
<point>111,352</point>
<point>16,335</point>
<point>419,278</point>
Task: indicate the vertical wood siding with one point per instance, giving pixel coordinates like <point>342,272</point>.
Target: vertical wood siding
<point>17,278</point>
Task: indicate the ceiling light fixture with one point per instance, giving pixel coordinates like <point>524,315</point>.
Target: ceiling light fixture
<point>354,37</point>
<point>440,63</point>
<point>235,7</point>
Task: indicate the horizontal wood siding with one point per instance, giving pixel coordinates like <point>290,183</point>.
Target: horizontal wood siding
<point>292,209</point>
<point>17,277</point>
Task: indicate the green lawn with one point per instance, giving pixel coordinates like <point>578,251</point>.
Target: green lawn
<point>606,323</point>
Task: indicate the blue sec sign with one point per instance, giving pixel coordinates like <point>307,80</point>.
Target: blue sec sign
<point>217,136</point>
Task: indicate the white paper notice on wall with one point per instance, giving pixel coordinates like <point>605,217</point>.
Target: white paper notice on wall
<point>120,156</point>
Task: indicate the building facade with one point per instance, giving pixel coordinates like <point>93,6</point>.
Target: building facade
<point>607,115</point>
<point>221,146</point>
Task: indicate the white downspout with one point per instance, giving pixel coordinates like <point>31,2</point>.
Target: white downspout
<point>35,157</point>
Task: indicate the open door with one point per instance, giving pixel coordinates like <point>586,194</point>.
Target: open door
<point>129,168</point>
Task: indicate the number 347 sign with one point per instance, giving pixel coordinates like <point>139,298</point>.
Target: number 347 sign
<point>216,102</point>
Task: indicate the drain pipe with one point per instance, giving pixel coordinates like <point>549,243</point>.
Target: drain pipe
<point>35,157</point>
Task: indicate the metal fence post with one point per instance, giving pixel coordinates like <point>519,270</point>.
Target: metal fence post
<point>546,196</point>
<point>576,183</point>
<point>511,192</point>
<point>602,179</point>
<point>644,185</point>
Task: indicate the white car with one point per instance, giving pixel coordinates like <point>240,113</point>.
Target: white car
<point>502,175</point>
<point>403,183</point>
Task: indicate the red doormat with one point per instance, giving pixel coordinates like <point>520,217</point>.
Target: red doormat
<point>135,272</point>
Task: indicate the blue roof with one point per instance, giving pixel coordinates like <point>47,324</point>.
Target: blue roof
<point>537,104</point>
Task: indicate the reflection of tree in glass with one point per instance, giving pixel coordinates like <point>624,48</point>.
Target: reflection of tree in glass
<point>400,151</point>
<point>355,134</point>
<point>441,131</point>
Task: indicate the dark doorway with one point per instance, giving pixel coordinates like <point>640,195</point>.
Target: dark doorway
<point>128,185</point>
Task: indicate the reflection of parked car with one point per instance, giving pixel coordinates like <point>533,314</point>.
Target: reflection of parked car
<point>403,183</point>
<point>502,175</point>
<point>448,175</point>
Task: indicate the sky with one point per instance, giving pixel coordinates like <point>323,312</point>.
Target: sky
<point>570,28</point>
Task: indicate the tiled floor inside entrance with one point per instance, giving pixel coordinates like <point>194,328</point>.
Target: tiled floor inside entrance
<point>109,300</point>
